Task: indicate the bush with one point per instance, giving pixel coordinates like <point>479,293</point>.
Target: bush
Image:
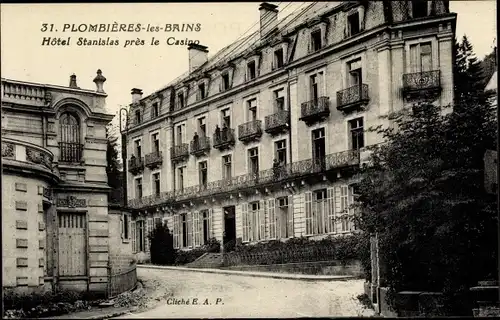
<point>162,246</point>
<point>188,256</point>
<point>212,246</point>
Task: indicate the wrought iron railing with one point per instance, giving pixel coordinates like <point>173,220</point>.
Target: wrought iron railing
<point>121,282</point>
<point>153,159</point>
<point>353,95</point>
<point>315,107</point>
<point>250,129</point>
<point>223,138</point>
<point>70,152</point>
<point>422,80</point>
<point>274,175</point>
<point>277,121</point>
<point>179,151</point>
<point>200,146</point>
<point>135,165</point>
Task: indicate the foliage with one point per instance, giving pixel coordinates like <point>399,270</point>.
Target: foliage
<point>187,256</point>
<point>212,246</point>
<point>112,165</point>
<point>162,246</point>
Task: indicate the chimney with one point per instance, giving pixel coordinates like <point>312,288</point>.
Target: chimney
<point>72,81</point>
<point>136,95</point>
<point>198,55</point>
<point>99,81</point>
<point>268,18</point>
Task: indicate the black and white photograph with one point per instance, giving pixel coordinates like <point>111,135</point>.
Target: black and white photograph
<point>249,159</point>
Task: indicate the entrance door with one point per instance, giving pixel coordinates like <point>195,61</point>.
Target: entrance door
<point>229,224</point>
<point>72,244</point>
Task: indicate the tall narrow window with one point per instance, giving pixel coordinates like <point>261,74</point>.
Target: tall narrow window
<point>251,70</point>
<point>253,157</point>
<point>316,40</point>
<point>252,110</point>
<point>201,91</point>
<point>353,24</point>
<point>155,139</point>
<point>206,225</point>
<point>138,118</point>
<point>70,147</point>
<point>280,147</point>
<point>156,183</point>
<point>226,117</point>
<point>357,134</point>
<point>180,176</point>
<point>203,173</point>
<point>202,127</point>
<point>278,58</point>
<point>319,147</point>
<point>140,233</point>
<point>316,86</point>
<point>225,81</point>
<point>421,57</point>
<point>180,100</point>
<point>184,230</point>
<point>155,110</point>
<point>355,73</point>
<point>138,188</point>
<point>180,134</point>
<point>279,100</point>
<point>226,167</point>
<point>125,226</point>
<point>138,148</point>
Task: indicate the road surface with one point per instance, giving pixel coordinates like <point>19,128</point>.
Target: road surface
<point>181,294</point>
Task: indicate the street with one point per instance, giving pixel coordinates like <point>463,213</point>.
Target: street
<point>197,294</point>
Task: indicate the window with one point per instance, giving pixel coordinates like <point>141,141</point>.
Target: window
<point>155,110</point>
<point>278,58</point>
<point>140,233</point>
<point>252,110</point>
<point>70,147</point>
<point>253,157</point>
<point>225,81</point>
<point>226,167</point>
<point>158,222</point>
<point>279,100</point>
<point>201,91</point>
<point>184,223</point>
<point>138,116</point>
<point>319,147</point>
<point>419,8</point>
<point>125,227</point>
<point>180,134</point>
<point>155,143</point>
<point>316,86</point>
<point>251,70</point>
<point>226,117</point>
<point>202,127</point>
<point>421,57</point>
<point>138,150</point>
<point>180,100</point>
<point>156,183</point>
<point>205,216</point>
<point>180,178</point>
<point>316,40</point>
<point>284,218</point>
<point>357,134</point>
<point>353,24</point>
<point>203,174</point>
<point>355,73</point>
<point>280,149</point>
<point>138,188</point>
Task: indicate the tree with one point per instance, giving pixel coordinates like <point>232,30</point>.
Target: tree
<point>162,246</point>
<point>112,165</point>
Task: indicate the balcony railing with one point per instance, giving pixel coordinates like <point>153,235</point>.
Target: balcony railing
<point>249,181</point>
<point>24,93</point>
<point>136,165</point>
<point>224,139</point>
<point>315,110</point>
<point>154,159</point>
<point>179,152</point>
<point>200,147</point>
<point>278,122</point>
<point>352,97</point>
<point>250,131</point>
<point>422,83</point>
<point>70,152</point>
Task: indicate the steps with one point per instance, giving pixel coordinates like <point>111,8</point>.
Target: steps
<point>208,260</point>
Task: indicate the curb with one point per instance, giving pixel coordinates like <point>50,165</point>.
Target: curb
<point>111,315</point>
<point>254,274</point>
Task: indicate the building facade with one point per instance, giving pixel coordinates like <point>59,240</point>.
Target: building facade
<point>55,229</point>
<point>263,140</point>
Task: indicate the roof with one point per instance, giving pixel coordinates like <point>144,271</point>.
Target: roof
<point>253,40</point>
<point>492,84</point>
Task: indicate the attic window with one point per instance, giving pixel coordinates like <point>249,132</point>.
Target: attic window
<point>316,40</point>
<point>155,110</point>
<point>225,81</point>
<point>180,101</point>
<point>201,91</point>
<point>138,116</point>
<point>251,70</point>
<point>353,23</point>
<point>419,8</point>
<point>278,58</point>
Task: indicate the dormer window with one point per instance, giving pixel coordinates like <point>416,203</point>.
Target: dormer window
<point>278,58</point>
<point>419,8</point>
<point>180,100</point>
<point>201,91</point>
<point>155,110</point>
<point>353,23</point>
<point>138,116</point>
<point>316,40</point>
<point>225,81</point>
<point>251,70</point>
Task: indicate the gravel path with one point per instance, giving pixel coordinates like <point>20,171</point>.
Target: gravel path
<point>178,294</point>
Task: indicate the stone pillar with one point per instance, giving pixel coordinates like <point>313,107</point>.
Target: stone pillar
<point>169,142</point>
<point>398,69</point>
<point>445,38</point>
<point>52,244</point>
<point>293,106</point>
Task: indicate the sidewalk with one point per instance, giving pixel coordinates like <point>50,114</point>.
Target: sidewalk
<point>287,276</point>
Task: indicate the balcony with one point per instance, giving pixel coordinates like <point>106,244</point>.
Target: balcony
<point>278,122</point>
<point>352,98</point>
<point>200,147</point>
<point>224,139</point>
<point>250,131</point>
<point>135,165</point>
<point>331,163</point>
<point>180,152</point>
<point>23,93</point>
<point>153,160</point>
<point>421,85</point>
<point>70,152</point>
<point>315,110</point>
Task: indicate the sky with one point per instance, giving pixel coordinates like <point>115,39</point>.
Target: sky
<point>149,67</point>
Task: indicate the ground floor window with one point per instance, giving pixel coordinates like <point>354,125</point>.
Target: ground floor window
<point>254,221</point>
<point>140,235</point>
<point>192,229</point>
